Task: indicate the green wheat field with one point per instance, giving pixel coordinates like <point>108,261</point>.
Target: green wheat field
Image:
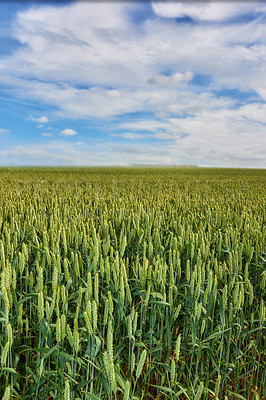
<point>132,283</point>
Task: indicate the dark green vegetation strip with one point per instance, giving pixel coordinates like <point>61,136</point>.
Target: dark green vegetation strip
<point>132,283</point>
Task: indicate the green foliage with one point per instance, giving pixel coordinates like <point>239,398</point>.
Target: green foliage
<point>132,283</point>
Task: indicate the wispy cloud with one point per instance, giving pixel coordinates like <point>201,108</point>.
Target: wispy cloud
<point>4,130</point>
<point>206,11</point>
<point>131,135</point>
<point>174,80</point>
<point>223,151</point>
<point>47,134</point>
<point>50,153</point>
<point>195,88</point>
<point>41,120</point>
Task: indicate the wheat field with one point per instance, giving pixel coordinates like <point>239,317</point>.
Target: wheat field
<point>132,283</point>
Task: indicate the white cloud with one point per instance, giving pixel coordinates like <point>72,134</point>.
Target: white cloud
<point>113,93</point>
<point>68,132</point>
<point>226,141</point>
<point>40,126</point>
<point>231,137</point>
<point>102,42</point>
<point>53,153</point>
<point>46,134</point>
<point>174,80</point>
<point>4,131</point>
<point>206,11</point>
<point>40,119</point>
<point>131,135</point>
<point>231,54</point>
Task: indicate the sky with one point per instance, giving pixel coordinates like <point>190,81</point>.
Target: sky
<point>124,83</point>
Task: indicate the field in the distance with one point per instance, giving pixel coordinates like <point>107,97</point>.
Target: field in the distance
<point>137,283</point>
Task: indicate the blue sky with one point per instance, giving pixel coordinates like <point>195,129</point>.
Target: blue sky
<point>87,83</point>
